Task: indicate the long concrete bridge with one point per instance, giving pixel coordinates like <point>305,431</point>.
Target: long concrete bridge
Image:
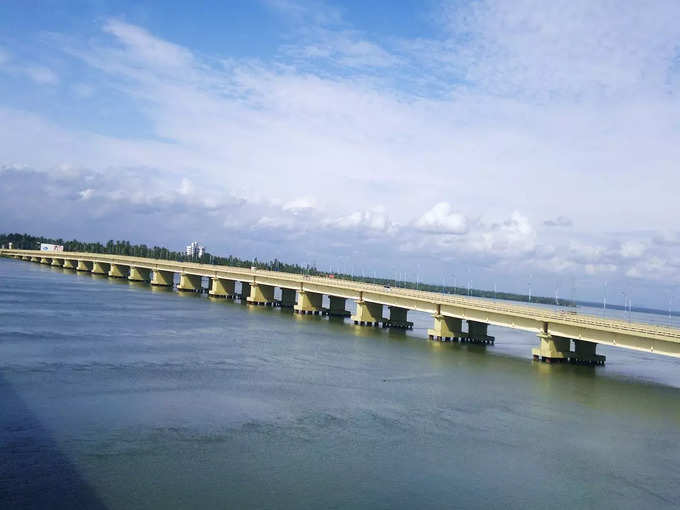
<point>563,336</point>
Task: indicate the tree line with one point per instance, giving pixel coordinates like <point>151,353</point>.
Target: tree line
<point>30,242</point>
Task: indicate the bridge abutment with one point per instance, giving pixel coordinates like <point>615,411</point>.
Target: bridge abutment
<point>477,333</point>
<point>119,271</point>
<point>84,265</point>
<point>139,274</point>
<point>337,307</point>
<point>163,278</point>
<point>260,294</point>
<point>309,303</point>
<point>70,264</point>
<point>368,314</point>
<point>189,283</point>
<point>398,318</point>
<point>287,298</point>
<point>222,288</point>
<point>445,328</point>
<point>100,268</point>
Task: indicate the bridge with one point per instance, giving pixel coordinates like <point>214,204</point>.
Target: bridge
<point>562,336</point>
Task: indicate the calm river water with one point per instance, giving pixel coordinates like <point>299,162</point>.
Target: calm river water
<point>115,395</point>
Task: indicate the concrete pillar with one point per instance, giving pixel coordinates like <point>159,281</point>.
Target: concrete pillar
<point>477,333</point>
<point>445,328</point>
<point>46,260</point>
<point>163,278</point>
<point>398,318</point>
<point>57,262</point>
<point>139,274</point>
<point>337,307</point>
<point>584,353</point>
<point>35,259</point>
<point>189,283</point>
<point>553,349</point>
<point>219,287</point>
<point>368,314</point>
<point>26,258</point>
<point>309,303</point>
<point>287,298</point>
<point>84,265</point>
<point>70,264</point>
<point>100,268</point>
<point>245,291</point>
<point>261,295</point>
<point>119,271</point>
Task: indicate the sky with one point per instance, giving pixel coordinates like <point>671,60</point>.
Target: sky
<point>518,144</point>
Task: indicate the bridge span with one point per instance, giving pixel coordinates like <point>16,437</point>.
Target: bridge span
<point>562,336</point>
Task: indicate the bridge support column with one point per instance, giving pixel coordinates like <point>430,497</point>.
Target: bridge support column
<point>57,262</point>
<point>336,307</point>
<point>139,274</point>
<point>100,268</point>
<point>368,314</point>
<point>398,318</point>
<point>84,265</point>
<point>584,354</point>
<point>189,283</point>
<point>35,259</point>
<point>26,258</point>
<point>45,260</point>
<point>119,271</point>
<point>477,333</point>
<point>219,287</point>
<point>309,303</point>
<point>245,291</point>
<point>261,295</point>
<point>287,298</point>
<point>445,328</point>
<point>163,278</point>
<point>69,264</point>
<point>553,349</point>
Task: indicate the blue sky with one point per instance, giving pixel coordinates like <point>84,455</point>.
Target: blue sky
<point>501,142</point>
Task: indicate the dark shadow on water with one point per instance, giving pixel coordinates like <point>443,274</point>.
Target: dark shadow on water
<point>33,472</point>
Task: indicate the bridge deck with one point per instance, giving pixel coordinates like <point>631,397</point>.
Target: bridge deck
<point>578,326</point>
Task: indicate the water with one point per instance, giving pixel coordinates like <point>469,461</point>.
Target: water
<point>115,395</point>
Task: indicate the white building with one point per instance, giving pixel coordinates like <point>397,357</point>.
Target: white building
<point>195,250</point>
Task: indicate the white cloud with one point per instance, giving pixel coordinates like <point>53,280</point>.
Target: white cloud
<point>442,219</point>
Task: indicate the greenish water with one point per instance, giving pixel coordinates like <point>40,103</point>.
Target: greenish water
<point>115,395</point>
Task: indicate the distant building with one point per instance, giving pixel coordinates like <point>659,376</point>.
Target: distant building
<point>195,250</point>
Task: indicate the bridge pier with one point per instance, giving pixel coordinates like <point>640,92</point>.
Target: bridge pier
<point>309,303</point>
<point>245,291</point>
<point>445,328</point>
<point>368,314</point>
<point>139,274</point>
<point>45,260</point>
<point>189,283</point>
<point>584,354</point>
<point>69,264</point>
<point>119,271</point>
<point>222,288</point>
<point>100,268</point>
<point>57,262</point>
<point>552,349</point>
<point>260,294</point>
<point>287,298</point>
<point>398,318</point>
<point>337,307</point>
<point>477,333</point>
<point>25,258</point>
<point>163,278</point>
<point>35,259</point>
<point>84,265</point>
